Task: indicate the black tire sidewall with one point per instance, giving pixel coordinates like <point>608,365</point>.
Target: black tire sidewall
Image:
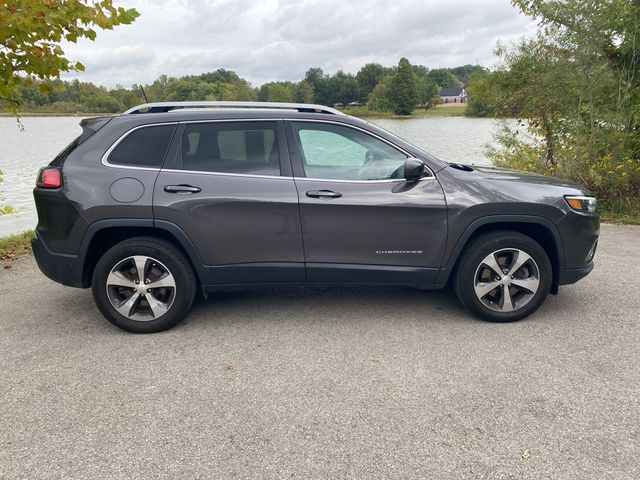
<point>165,254</point>
<point>477,251</point>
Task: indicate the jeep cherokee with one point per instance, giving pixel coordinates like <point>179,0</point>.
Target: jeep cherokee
<point>166,199</point>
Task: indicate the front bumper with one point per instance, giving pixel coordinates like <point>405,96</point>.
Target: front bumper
<point>572,275</point>
<point>579,234</point>
<point>60,267</point>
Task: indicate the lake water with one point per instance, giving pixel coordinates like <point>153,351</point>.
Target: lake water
<point>453,139</point>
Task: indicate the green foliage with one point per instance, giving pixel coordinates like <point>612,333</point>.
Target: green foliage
<point>345,87</point>
<point>380,98</point>
<point>332,89</point>
<point>303,93</point>
<point>483,95</point>
<point>427,91</point>
<point>279,93</point>
<point>403,93</point>
<point>30,35</point>
<point>464,72</point>
<point>443,77</point>
<point>368,77</point>
<point>319,82</point>
<point>577,86</point>
<point>406,87</point>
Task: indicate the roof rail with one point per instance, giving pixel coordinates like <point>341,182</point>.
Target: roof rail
<point>161,107</point>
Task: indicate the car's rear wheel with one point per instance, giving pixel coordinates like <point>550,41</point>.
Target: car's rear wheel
<point>143,285</point>
<point>503,276</point>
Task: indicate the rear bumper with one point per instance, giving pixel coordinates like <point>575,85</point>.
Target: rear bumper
<point>60,267</point>
<point>572,275</point>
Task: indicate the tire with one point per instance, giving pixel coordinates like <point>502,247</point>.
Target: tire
<point>138,307</point>
<point>516,294</point>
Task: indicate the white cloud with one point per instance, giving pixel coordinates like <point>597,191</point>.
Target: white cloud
<point>280,39</point>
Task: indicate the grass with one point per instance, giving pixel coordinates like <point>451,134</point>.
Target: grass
<point>620,211</point>
<point>16,245</point>
<point>449,111</point>
<point>365,112</point>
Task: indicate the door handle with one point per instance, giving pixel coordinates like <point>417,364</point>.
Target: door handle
<point>181,189</point>
<point>323,194</point>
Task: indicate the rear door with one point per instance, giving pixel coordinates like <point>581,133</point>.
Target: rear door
<point>228,186</point>
<point>361,220</point>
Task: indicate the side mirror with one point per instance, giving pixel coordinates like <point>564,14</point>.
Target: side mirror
<point>414,169</point>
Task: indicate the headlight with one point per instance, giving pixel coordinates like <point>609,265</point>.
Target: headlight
<point>580,203</point>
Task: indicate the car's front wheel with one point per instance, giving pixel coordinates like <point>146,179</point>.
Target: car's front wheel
<point>143,285</point>
<point>503,276</point>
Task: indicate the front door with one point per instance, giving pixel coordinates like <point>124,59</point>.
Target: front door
<point>228,186</point>
<point>361,221</point>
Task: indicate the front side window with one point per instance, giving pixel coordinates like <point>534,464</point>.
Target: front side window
<point>337,152</point>
<point>144,147</point>
<point>249,148</point>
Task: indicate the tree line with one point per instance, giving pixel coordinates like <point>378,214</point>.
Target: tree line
<point>399,89</point>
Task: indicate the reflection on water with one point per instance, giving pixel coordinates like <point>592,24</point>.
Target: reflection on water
<point>453,139</point>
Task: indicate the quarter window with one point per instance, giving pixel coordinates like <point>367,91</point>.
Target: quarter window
<point>144,147</point>
<point>342,153</point>
<point>231,147</point>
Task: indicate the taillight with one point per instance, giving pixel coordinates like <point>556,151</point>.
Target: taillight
<point>49,178</point>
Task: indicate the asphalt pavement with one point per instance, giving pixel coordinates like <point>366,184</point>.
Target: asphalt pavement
<point>319,383</point>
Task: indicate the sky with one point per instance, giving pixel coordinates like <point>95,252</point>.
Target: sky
<point>271,40</point>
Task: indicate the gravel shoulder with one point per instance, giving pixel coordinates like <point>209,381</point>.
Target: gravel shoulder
<point>325,383</point>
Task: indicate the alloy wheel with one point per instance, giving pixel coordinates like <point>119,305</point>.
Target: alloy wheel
<point>506,280</point>
<point>141,288</point>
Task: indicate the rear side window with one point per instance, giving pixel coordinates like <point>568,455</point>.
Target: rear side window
<point>249,148</point>
<point>144,147</point>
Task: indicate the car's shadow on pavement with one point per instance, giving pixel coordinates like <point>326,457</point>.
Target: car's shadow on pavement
<point>323,303</point>
<point>317,305</point>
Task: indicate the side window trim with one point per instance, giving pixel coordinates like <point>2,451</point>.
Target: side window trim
<point>295,149</point>
<point>105,157</point>
<point>173,163</point>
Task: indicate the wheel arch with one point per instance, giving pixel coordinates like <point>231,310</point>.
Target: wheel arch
<point>104,234</point>
<point>539,229</point>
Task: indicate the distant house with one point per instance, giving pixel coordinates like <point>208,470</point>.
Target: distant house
<point>453,95</point>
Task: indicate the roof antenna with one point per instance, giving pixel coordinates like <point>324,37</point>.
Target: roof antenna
<point>144,94</point>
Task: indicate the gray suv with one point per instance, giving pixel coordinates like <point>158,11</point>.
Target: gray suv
<point>166,199</point>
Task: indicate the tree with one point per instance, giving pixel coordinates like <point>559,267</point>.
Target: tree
<point>427,89</point>
<point>303,93</point>
<point>483,96</point>
<point>601,39</point>
<point>344,88</point>
<point>30,36</point>
<point>322,91</point>
<point>576,85</point>
<point>403,94</point>
<point>443,77</point>
<point>379,100</point>
<point>464,72</point>
<point>279,93</point>
<point>368,77</point>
